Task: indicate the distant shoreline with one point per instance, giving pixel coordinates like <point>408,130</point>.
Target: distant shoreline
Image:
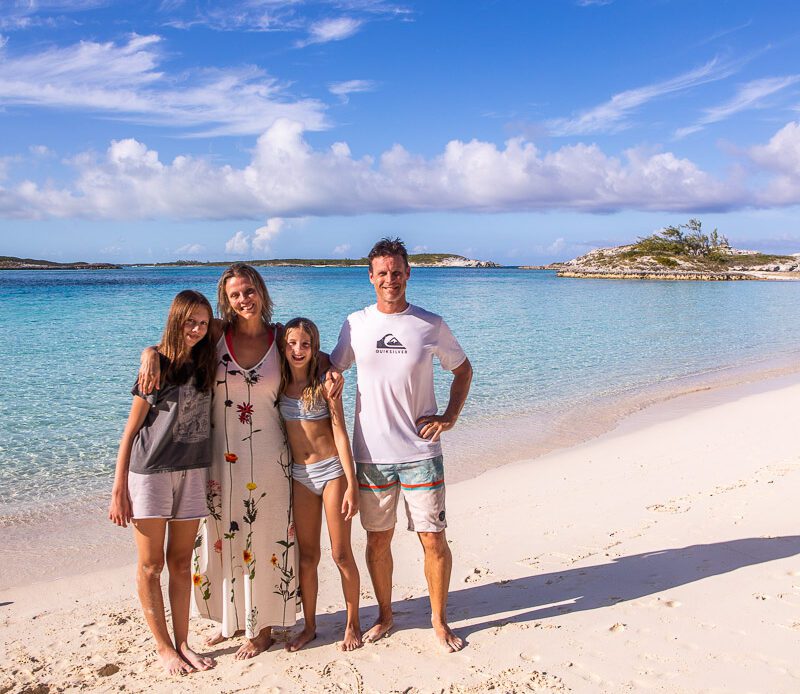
<point>437,260</point>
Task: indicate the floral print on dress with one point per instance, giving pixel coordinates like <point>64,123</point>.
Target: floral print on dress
<point>248,577</point>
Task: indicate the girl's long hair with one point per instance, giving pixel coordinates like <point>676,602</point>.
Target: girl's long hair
<point>248,272</point>
<point>313,394</point>
<point>200,361</point>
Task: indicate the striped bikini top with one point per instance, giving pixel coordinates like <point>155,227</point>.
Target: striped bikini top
<point>292,409</point>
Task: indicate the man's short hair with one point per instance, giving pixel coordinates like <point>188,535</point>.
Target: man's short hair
<point>387,246</point>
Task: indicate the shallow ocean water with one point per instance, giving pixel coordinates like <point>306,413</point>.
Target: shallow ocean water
<point>540,346</point>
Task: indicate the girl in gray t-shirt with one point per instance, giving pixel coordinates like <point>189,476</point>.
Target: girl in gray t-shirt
<point>161,475</point>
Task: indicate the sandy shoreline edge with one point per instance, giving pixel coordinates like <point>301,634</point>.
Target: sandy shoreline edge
<point>662,555</point>
<point>73,537</point>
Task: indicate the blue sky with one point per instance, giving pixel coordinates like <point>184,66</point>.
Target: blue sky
<point>519,131</point>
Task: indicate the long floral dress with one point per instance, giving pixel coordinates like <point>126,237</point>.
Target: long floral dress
<point>244,562</point>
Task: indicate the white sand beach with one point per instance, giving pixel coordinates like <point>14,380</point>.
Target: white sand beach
<point>662,556</point>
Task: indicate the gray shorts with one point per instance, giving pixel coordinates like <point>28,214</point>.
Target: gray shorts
<point>171,495</point>
<point>315,476</point>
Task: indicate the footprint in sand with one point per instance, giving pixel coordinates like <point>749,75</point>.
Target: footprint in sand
<point>669,507</point>
<point>477,574</point>
<point>514,680</point>
<point>339,676</point>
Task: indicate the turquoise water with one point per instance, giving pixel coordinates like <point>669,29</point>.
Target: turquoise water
<point>539,345</point>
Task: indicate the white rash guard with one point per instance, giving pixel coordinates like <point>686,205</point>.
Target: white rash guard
<point>394,354</point>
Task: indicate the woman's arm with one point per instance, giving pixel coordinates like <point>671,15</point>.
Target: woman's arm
<point>119,510</point>
<point>342,441</point>
<point>149,371</point>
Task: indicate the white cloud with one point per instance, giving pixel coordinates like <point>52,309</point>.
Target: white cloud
<point>41,151</point>
<point>238,244</point>
<point>191,249</point>
<point>287,178</point>
<point>344,89</point>
<point>335,29</point>
<point>264,235</point>
<point>341,249</point>
<point>557,246</point>
<point>419,249</point>
<point>782,156</point>
<point>276,15</point>
<point>749,95</point>
<point>611,115</point>
<point>126,81</point>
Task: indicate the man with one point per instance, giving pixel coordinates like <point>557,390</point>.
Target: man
<point>397,429</point>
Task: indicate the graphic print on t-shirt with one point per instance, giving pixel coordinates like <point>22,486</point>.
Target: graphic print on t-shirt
<point>193,418</point>
<point>389,343</point>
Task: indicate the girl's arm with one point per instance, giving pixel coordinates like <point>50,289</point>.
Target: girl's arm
<point>334,380</point>
<point>342,441</point>
<point>119,510</point>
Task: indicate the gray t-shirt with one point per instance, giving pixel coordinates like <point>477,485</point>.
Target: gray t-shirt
<point>176,434</point>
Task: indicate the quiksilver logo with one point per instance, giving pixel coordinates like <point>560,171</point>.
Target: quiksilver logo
<point>390,344</point>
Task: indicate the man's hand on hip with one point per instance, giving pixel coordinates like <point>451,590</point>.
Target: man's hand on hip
<point>431,427</point>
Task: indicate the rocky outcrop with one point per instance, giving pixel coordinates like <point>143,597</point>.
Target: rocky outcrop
<point>629,262</point>
<point>653,275</point>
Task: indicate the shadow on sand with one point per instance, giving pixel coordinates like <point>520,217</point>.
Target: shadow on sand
<point>583,588</point>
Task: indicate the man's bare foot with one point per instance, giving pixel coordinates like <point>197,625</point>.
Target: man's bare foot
<point>447,639</point>
<point>197,661</point>
<point>173,663</point>
<point>252,647</point>
<point>306,636</point>
<point>378,630</point>
<point>352,638</point>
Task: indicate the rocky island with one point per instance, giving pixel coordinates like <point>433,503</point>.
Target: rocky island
<point>681,252</point>
<point>414,259</point>
<point>9,262</point>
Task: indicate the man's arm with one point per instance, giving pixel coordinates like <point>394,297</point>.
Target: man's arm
<point>434,425</point>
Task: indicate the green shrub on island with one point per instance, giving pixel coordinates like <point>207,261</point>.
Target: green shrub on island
<point>687,242</point>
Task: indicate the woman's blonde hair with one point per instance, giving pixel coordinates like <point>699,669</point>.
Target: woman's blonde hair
<point>248,272</point>
<point>182,364</point>
<point>313,394</point>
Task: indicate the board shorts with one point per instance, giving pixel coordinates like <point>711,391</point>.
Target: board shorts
<point>422,482</point>
<point>314,476</point>
<point>172,495</point>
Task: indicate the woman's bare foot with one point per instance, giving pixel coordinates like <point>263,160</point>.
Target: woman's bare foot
<point>304,637</point>
<point>447,639</point>
<point>352,638</point>
<point>379,630</point>
<point>215,638</point>
<point>197,661</point>
<point>172,661</point>
<point>252,647</point>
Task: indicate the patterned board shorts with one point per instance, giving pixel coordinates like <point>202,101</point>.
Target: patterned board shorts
<point>422,482</point>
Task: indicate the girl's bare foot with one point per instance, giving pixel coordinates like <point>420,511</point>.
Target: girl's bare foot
<point>306,636</point>
<point>378,630</point>
<point>172,661</point>
<point>197,661</point>
<point>252,647</point>
<point>352,638</point>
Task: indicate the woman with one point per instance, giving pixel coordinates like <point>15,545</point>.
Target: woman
<point>244,567</point>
